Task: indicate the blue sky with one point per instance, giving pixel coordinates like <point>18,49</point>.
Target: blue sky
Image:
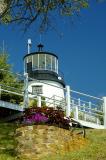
<point>81,48</point>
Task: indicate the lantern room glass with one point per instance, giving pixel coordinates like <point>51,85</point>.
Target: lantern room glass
<point>43,62</point>
<point>48,62</point>
<point>35,62</point>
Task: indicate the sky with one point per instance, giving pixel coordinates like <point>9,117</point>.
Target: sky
<point>80,46</point>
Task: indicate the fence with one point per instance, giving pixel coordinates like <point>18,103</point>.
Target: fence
<point>88,111</point>
<point>85,110</point>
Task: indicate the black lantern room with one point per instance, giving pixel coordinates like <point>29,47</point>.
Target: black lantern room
<point>42,65</point>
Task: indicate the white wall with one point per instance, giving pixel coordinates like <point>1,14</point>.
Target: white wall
<point>48,90</point>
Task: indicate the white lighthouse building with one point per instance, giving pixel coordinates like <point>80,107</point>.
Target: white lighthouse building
<point>42,68</point>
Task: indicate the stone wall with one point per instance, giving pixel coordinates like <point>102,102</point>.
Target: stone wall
<point>38,141</point>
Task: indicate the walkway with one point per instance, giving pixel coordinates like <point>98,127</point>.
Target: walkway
<point>89,124</point>
<point>11,106</point>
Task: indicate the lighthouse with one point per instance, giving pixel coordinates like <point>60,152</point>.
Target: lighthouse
<point>44,78</point>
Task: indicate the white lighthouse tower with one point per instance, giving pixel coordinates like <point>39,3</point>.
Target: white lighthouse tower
<point>42,67</point>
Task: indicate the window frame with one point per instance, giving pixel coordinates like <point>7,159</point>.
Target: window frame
<point>37,89</point>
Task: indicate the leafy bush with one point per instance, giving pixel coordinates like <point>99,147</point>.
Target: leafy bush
<point>32,103</point>
<point>43,103</point>
<point>16,99</point>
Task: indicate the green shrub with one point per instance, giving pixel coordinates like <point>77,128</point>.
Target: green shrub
<point>32,103</point>
<point>43,103</point>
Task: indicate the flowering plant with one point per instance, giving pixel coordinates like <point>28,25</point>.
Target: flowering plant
<point>48,115</point>
<point>36,118</point>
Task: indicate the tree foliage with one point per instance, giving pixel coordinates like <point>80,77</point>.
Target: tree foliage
<point>9,81</point>
<point>26,12</point>
<point>6,76</point>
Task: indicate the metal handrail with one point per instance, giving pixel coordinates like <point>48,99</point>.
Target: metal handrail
<point>11,92</point>
<point>86,103</point>
<point>87,95</point>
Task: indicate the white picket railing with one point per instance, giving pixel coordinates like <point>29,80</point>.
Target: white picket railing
<point>84,111</point>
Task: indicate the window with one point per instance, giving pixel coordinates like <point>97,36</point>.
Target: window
<point>29,64</point>
<point>41,61</point>
<point>48,62</point>
<point>53,64</point>
<point>29,59</point>
<point>37,89</point>
<point>25,65</point>
<point>29,67</point>
<point>35,62</point>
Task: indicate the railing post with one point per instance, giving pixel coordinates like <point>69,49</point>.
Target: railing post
<point>68,101</point>
<point>76,112</point>
<point>85,113</point>
<point>38,101</point>
<point>26,98</point>
<point>104,99</point>
<point>97,121</point>
<point>90,104</point>
<point>79,102</point>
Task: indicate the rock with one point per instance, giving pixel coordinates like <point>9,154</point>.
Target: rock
<point>37,141</point>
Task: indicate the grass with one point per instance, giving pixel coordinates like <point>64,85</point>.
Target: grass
<point>7,143</point>
<point>95,149</point>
